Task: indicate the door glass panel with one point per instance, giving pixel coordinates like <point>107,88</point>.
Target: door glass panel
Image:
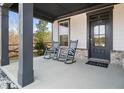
<point>96,30</point>
<point>96,39</point>
<point>99,36</point>
<point>102,40</point>
<point>102,29</point>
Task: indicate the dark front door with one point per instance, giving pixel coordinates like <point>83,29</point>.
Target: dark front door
<point>100,36</point>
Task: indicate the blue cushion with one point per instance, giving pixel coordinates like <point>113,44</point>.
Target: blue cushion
<point>71,52</point>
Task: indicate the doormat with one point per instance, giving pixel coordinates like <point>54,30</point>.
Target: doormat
<point>105,65</point>
<point>6,82</point>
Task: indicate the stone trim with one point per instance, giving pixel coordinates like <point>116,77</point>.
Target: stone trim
<point>117,57</point>
<point>81,54</point>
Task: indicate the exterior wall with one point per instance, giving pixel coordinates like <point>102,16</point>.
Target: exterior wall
<point>117,55</point>
<point>78,31</point>
<point>118,27</point>
<point>82,54</point>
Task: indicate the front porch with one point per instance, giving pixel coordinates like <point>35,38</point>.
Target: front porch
<point>54,74</point>
<point>51,74</point>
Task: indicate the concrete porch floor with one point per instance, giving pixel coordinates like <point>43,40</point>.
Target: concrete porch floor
<point>51,74</point>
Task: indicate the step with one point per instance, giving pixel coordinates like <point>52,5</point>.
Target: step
<point>99,60</point>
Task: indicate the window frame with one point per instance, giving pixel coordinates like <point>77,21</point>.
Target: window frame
<point>62,21</point>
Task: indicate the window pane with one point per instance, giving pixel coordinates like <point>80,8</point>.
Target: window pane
<point>96,30</point>
<point>96,40</point>
<point>102,40</point>
<point>63,30</point>
<point>65,24</point>
<point>63,40</point>
<point>102,29</point>
<point>61,24</point>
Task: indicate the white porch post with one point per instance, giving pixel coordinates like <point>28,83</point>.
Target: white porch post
<point>25,71</point>
<point>4,59</point>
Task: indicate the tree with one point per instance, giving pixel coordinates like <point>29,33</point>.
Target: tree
<point>40,36</point>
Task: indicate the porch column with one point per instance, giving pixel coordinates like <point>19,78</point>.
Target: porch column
<point>25,71</point>
<point>4,59</point>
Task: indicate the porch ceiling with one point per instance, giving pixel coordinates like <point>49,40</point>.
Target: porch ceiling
<point>53,11</point>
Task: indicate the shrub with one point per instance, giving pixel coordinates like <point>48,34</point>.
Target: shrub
<point>40,47</point>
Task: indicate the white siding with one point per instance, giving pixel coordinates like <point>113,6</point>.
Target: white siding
<point>118,27</point>
<point>78,30</point>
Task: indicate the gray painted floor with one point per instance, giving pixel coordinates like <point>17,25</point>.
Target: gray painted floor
<point>51,74</point>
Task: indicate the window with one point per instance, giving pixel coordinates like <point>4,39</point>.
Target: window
<point>64,32</point>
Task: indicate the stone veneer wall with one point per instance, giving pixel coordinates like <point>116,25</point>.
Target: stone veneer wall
<point>117,57</point>
<point>81,54</point>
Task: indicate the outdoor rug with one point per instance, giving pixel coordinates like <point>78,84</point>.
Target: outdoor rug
<point>5,82</point>
<point>105,65</point>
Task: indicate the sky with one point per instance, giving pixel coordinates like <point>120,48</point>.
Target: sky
<point>14,22</point>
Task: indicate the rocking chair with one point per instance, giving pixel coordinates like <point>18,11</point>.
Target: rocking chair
<point>69,54</point>
<point>52,52</point>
